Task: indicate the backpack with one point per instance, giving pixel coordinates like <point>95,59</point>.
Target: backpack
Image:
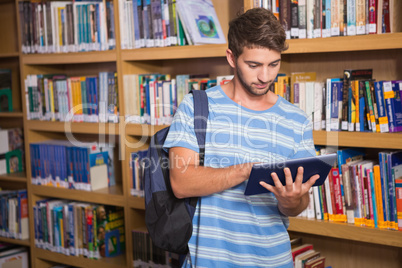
<point>169,219</point>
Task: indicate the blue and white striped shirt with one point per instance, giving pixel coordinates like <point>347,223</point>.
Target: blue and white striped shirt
<point>229,228</point>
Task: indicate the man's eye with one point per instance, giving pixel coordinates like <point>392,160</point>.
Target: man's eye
<point>253,66</point>
<point>274,64</point>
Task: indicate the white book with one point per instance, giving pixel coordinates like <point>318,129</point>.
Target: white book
<point>317,203</point>
<point>310,18</point>
<point>335,17</point>
<point>317,115</point>
<point>310,208</point>
<point>201,21</point>
<point>310,100</point>
<point>302,96</point>
<point>351,17</point>
<point>302,19</point>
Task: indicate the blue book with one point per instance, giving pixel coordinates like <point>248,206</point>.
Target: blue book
<point>349,155</point>
<point>394,159</point>
<point>382,111</point>
<point>383,162</point>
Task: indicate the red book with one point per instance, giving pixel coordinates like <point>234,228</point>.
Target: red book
<point>372,16</point>
<point>300,249</point>
<point>386,25</point>
<point>337,190</point>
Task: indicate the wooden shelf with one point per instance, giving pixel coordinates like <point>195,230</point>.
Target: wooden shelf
<point>16,114</point>
<point>9,54</point>
<point>136,202</point>
<point>25,243</point>
<point>69,58</point>
<point>345,43</point>
<point>115,262</point>
<point>175,52</point>
<point>73,127</point>
<point>108,196</point>
<point>358,139</point>
<point>142,130</point>
<point>296,46</point>
<point>14,177</point>
<point>346,231</point>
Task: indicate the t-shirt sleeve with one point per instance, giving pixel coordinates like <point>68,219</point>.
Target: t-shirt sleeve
<point>305,146</point>
<point>181,132</point>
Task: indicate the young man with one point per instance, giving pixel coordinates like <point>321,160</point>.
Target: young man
<point>247,123</point>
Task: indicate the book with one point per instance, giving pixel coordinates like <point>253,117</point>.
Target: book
<point>348,76</point>
<point>14,257</point>
<point>300,249</point>
<point>393,103</point>
<point>312,165</point>
<point>316,263</point>
<point>200,21</point>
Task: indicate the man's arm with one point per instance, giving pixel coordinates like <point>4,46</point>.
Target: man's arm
<point>189,179</point>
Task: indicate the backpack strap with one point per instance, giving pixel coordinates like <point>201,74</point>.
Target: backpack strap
<point>200,120</point>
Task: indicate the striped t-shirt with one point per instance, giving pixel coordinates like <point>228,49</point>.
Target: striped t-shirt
<point>229,228</point>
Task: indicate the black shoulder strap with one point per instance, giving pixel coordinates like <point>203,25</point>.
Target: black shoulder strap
<point>200,120</point>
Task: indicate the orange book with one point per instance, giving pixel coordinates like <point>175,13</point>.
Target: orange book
<point>378,196</point>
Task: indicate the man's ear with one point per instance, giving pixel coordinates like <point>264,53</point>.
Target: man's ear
<point>230,58</point>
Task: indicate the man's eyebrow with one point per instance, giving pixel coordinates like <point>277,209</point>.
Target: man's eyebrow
<point>259,63</point>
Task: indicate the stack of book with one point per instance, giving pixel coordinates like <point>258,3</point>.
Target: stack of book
<point>153,98</point>
<point>354,101</point>
<point>11,151</point>
<point>6,97</point>
<point>360,191</point>
<point>137,162</point>
<point>79,229</point>
<point>14,214</point>
<point>54,97</point>
<point>66,26</point>
<point>145,254</point>
<point>161,23</point>
<point>326,18</point>
<point>84,166</point>
<point>13,256</point>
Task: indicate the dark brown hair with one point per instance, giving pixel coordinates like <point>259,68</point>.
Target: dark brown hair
<point>257,27</point>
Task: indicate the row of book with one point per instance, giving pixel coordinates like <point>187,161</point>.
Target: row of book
<point>305,256</point>
<point>360,191</point>
<point>14,214</point>
<point>146,254</point>
<point>6,96</point>
<point>79,229</point>
<point>137,165</point>
<point>13,256</point>
<point>84,166</point>
<point>55,97</point>
<point>352,102</point>
<point>11,150</point>
<point>326,18</point>
<point>66,26</point>
<point>153,98</point>
<point>161,23</point>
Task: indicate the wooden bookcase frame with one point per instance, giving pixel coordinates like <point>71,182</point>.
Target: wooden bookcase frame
<point>344,245</point>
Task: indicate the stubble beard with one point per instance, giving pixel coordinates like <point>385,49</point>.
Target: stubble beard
<point>249,88</point>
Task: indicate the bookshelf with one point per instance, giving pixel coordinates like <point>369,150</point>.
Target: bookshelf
<point>344,245</point>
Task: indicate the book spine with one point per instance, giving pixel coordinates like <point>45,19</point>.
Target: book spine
<point>284,16</point>
<point>302,19</point>
<point>372,16</point>
<point>294,19</point>
<point>382,113</point>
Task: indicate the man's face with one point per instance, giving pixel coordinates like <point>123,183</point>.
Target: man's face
<point>256,69</point>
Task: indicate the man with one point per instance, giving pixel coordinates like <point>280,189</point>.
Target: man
<point>247,123</point>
